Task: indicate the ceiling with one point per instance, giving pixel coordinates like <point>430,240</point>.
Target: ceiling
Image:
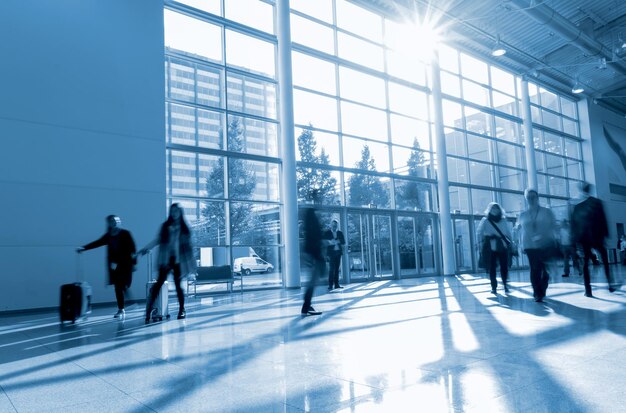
<point>555,41</point>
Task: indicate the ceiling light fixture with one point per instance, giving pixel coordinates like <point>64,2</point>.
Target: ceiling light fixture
<point>498,49</point>
<point>577,88</point>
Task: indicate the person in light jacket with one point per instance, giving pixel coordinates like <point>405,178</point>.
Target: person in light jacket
<point>497,250</point>
<point>175,255</point>
<point>538,236</point>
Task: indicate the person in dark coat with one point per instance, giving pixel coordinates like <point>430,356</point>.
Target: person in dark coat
<point>312,256</point>
<point>589,229</point>
<point>335,242</point>
<point>120,258</point>
<point>175,255</point>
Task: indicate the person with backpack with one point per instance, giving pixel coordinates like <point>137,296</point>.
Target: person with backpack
<point>589,229</point>
<point>495,239</point>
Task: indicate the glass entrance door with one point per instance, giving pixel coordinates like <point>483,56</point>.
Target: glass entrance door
<point>416,245</point>
<point>369,246</point>
<point>463,244</point>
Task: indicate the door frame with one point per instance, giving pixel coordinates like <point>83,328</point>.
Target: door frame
<point>369,213</point>
<point>434,217</point>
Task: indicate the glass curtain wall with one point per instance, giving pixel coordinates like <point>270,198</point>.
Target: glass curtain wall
<point>223,155</point>
<point>363,132</point>
<point>362,109</point>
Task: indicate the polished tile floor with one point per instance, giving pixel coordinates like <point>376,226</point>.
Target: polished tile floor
<point>420,345</point>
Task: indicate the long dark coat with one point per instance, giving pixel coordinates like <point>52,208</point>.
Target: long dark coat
<point>122,256</point>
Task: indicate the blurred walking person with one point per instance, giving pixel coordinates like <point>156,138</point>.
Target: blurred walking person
<point>622,249</point>
<point>335,242</point>
<point>568,249</point>
<point>312,254</point>
<point>493,230</point>
<point>120,258</point>
<point>537,228</point>
<point>589,229</point>
<point>175,255</point>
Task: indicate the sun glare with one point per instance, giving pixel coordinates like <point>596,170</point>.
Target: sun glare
<point>418,37</point>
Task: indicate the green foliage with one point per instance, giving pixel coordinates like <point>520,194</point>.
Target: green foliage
<point>367,189</point>
<point>314,179</point>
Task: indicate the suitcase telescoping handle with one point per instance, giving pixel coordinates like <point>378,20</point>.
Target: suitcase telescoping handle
<point>149,254</point>
<point>79,268</point>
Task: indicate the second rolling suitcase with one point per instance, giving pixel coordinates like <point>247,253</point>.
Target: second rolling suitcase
<point>160,308</point>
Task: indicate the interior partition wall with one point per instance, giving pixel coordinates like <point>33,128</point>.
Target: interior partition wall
<point>364,136</point>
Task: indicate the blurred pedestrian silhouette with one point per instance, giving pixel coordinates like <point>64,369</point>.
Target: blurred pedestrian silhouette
<point>538,241</point>
<point>120,258</point>
<point>312,254</point>
<point>335,241</point>
<point>589,229</point>
<point>496,244</point>
<point>622,249</point>
<point>568,249</point>
<point>175,255</point>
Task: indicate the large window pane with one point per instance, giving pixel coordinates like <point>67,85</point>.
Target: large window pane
<point>473,92</point>
<point>572,148</point>
<point>353,156</point>
<point>252,136</point>
<point>313,73</point>
<point>253,96</point>
<point>552,143</point>
<point>459,200</point>
<point>317,147</point>
<point>363,121</point>
<point>312,34</point>
<point>209,86</point>
<point>457,170</point>
<point>478,148</point>
<point>254,224</point>
<point>551,120</point>
<point>317,110</point>
<point>406,66</point>
<point>365,190</point>
<point>359,21</point>
<point>411,162</point>
<point>558,186</point>
<point>252,180</point>
<point>477,121</point>
<point>448,59</point>
<point>183,125</point>
<point>503,81</point>
<point>209,226</point>
<point>549,100</point>
<point>554,165</point>
<point>513,204</point>
<point>210,126</point>
<point>510,155</point>
<point>568,107</point>
<point>574,169</point>
<point>480,200</point>
<point>474,69</point>
<point>363,88</point>
<point>196,174</point>
<point>511,179</point>
<point>504,103</point>
<point>450,84</point>
<point>188,35</point>
<point>182,81</point>
<point>360,51</point>
<point>452,114</point>
<point>404,131</point>
<point>455,142</point>
<point>250,53</point>
<point>481,174</point>
<point>318,183</point>
<point>253,13</point>
<point>413,196</point>
<point>408,101</point>
<point>570,126</point>
<point>507,130</point>
<point>320,9</point>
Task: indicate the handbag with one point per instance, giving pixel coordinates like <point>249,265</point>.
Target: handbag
<point>484,255</point>
<point>511,250</point>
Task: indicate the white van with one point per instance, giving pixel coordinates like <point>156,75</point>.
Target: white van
<point>247,265</point>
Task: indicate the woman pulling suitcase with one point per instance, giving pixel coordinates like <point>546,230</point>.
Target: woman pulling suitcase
<point>175,255</point>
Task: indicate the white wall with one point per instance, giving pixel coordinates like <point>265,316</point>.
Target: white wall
<point>606,167</point>
<point>81,137</point>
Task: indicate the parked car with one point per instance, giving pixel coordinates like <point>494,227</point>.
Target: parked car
<point>247,265</point>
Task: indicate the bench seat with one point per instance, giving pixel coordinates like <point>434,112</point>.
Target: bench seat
<point>216,274</point>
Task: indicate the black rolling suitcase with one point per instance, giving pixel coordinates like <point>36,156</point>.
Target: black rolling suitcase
<point>75,298</point>
<point>75,301</point>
